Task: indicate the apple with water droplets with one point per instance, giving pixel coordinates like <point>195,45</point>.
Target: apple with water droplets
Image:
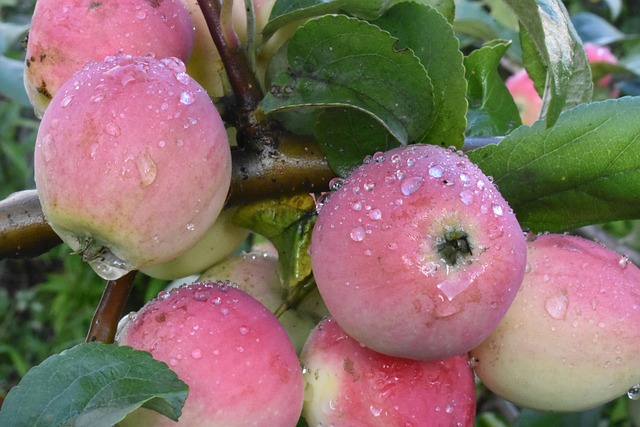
<point>348,384</point>
<point>417,254</point>
<point>65,34</point>
<point>257,274</point>
<point>237,360</point>
<point>132,163</point>
<point>570,340</point>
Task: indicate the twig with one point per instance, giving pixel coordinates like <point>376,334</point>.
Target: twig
<point>110,309</point>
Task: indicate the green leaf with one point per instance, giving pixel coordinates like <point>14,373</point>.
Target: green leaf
<point>287,11</point>
<point>531,418</point>
<point>365,136</point>
<point>595,29</point>
<point>559,47</point>
<point>336,61</point>
<point>426,31</point>
<point>492,110</point>
<point>94,385</point>
<point>287,223</point>
<point>584,170</point>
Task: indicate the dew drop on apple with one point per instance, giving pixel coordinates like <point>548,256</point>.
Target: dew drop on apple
<point>48,148</point>
<point>497,210</point>
<point>556,306</point>
<point>436,171</point>
<point>623,262</point>
<point>109,267</point>
<point>147,169</point>
<point>111,129</point>
<point>196,353</point>
<point>375,214</point>
<point>379,157</point>
<point>187,98</point>
<point>634,392</point>
<point>66,101</point>
<point>466,197</point>
<point>243,330</point>
<point>335,183</point>
<point>356,206</point>
<point>411,185</point>
<point>358,234</point>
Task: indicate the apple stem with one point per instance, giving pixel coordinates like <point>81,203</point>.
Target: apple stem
<point>243,81</point>
<point>296,295</point>
<point>110,309</point>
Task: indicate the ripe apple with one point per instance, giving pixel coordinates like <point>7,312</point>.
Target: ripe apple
<point>257,274</point>
<point>570,340</point>
<point>65,34</point>
<point>348,384</point>
<point>220,241</point>
<point>417,254</point>
<point>229,349</point>
<point>132,163</point>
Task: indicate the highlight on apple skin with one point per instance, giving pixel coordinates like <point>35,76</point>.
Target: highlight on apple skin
<point>417,254</point>
<point>348,384</point>
<point>237,360</point>
<point>65,34</point>
<point>570,340</point>
<point>132,163</point>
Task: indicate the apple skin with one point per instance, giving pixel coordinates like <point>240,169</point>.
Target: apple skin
<point>375,256</point>
<point>348,384</point>
<point>65,34</point>
<point>257,274</point>
<point>570,340</point>
<point>132,163</point>
<point>229,349</point>
<point>222,239</point>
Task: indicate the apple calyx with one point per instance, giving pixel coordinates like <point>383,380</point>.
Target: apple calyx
<point>104,262</point>
<point>454,247</point>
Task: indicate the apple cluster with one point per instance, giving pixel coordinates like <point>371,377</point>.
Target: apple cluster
<point>425,278</point>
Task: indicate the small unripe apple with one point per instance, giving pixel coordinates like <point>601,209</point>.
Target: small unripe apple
<point>65,34</point>
<point>417,254</point>
<point>229,349</point>
<point>257,274</point>
<point>222,239</point>
<point>348,384</point>
<point>132,163</point>
<point>570,340</point>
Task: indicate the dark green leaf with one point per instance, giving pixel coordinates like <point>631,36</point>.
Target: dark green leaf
<point>531,418</point>
<point>425,31</point>
<point>492,110</point>
<point>336,61</point>
<point>287,223</point>
<point>93,385</point>
<point>584,170</point>
<point>348,135</point>
<point>287,11</point>
<point>559,48</point>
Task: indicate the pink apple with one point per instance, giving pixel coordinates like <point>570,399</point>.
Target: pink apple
<point>570,340</point>
<point>229,349</point>
<point>417,254</point>
<point>597,53</point>
<point>525,96</point>
<point>65,34</point>
<point>347,384</point>
<point>132,163</point>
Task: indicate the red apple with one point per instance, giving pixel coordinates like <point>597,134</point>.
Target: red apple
<point>417,254</point>
<point>132,163</point>
<point>65,34</point>
<point>570,340</point>
<point>348,384</point>
<point>229,349</point>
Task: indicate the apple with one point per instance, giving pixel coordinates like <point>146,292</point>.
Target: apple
<point>570,340</point>
<point>237,360</point>
<point>257,274</point>
<point>132,163</point>
<point>220,241</point>
<point>65,34</point>
<point>348,384</point>
<point>417,255</point>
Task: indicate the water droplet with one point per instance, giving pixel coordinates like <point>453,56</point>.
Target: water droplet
<point>186,98</point>
<point>375,214</point>
<point>224,311</point>
<point>395,158</point>
<point>335,183</point>
<point>367,159</point>
<point>623,262</point>
<point>240,349</point>
<point>375,411</point>
<point>196,353</point>
<point>393,246</point>
<point>634,392</point>
<point>173,361</point>
<point>436,171</point>
<point>410,162</point>
<point>368,186</point>
<point>162,143</point>
<point>97,97</point>
<point>191,227</point>
<point>48,148</point>
<point>556,306</point>
<point>174,64</point>
<point>111,129</point>
<point>481,185</point>
<point>141,14</point>
<point>66,101</point>
<point>244,330</point>
<point>411,185</point>
<point>467,197</point>
<point>164,295</point>
<point>379,157</point>
<point>448,409</point>
<point>202,296</point>
<point>497,209</point>
<point>147,169</point>
<point>356,206</point>
<point>357,234</point>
